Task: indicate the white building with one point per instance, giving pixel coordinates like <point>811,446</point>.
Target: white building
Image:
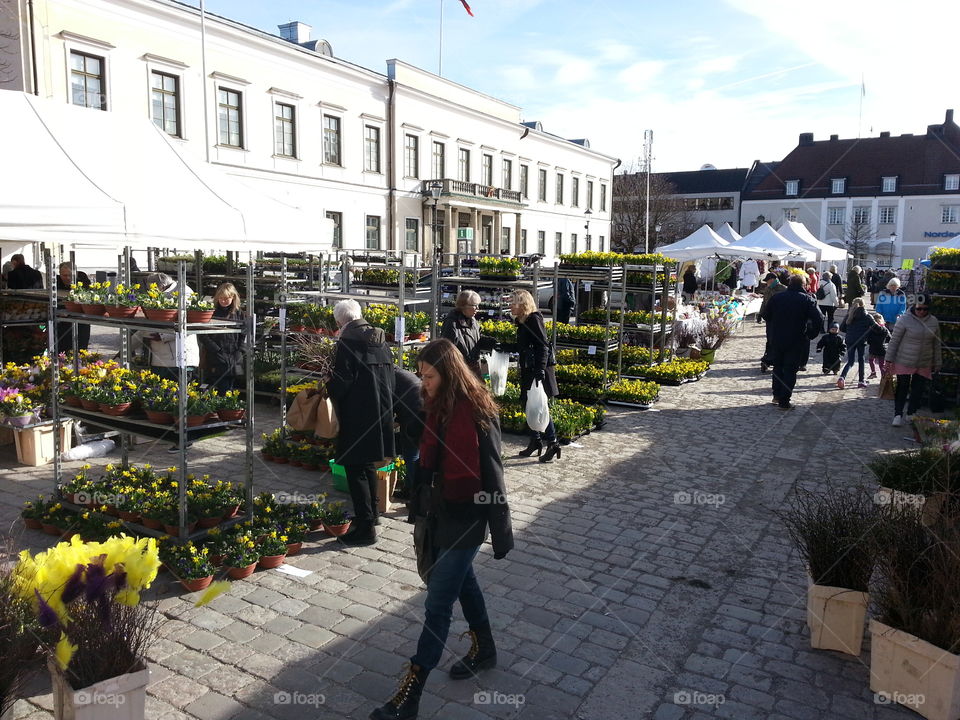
<point>286,116</point>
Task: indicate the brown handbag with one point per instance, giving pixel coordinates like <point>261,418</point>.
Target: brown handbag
<point>302,414</point>
<point>887,387</point>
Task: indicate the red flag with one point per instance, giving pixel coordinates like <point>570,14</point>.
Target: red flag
<point>467,8</point>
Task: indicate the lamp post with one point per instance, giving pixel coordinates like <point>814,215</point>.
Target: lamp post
<point>586,214</point>
<point>656,240</point>
<point>893,246</point>
<point>436,187</point>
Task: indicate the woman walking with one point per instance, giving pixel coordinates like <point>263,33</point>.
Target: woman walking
<point>857,325</point>
<point>224,351</point>
<point>914,355</point>
<point>855,287</point>
<point>537,359</point>
<point>827,298</point>
<point>460,327</point>
<point>460,458</point>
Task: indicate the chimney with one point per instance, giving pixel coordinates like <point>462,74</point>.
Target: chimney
<point>906,135</point>
<point>295,32</point>
<point>949,118</point>
<point>884,133</point>
<point>834,138</point>
<point>806,139</point>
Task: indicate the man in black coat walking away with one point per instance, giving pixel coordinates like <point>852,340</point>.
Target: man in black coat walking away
<point>24,277</point>
<point>408,406</point>
<point>361,389</point>
<point>788,315</point>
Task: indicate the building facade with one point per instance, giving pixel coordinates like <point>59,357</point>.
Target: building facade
<point>286,116</point>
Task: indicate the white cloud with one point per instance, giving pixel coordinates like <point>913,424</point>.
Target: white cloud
<point>639,76</point>
<point>721,64</point>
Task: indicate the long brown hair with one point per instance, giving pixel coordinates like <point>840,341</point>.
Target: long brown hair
<point>457,380</point>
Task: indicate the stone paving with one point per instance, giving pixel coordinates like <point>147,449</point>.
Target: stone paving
<point>651,577</point>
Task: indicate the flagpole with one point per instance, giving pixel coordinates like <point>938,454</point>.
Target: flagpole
<point>440,60</point>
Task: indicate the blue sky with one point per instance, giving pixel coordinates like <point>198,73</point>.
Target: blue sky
<point>725,82</point>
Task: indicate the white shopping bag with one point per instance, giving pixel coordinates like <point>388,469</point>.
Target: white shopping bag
<point>538,412</point>
<point>497,364</point>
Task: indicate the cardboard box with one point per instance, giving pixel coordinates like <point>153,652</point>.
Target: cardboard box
<point>35,445</point>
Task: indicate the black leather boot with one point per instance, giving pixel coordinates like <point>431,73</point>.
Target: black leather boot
<point>481,656</point>
<point>361,532</point>
<point>553,450</point>
<point>535,446</point>
<point>406,703</point>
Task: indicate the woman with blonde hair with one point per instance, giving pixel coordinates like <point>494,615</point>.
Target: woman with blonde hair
<point>460,327</point>
<point>224,351</point>
<point>537,358</point>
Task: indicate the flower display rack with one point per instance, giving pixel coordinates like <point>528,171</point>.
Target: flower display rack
<point>942,281</point>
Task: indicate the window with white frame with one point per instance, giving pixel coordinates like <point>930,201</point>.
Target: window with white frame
<point>337,217</point>
<point>951,182</point>
<point>525,181</point>
<point>838,186</point>
<point>438,164</point>
<point>558,243</point>
<point>559,195</point>
<point>88,80</point>
<point>603,197</point>
<point>589,242</point>
<point>542,242</point>
<point>542,185</point>
<point>373,232</point>
<point>505,240</point>
<point>165,102</point>
<point>523,242</point>
<point>791,188</point>
<point>573,243</point>
<point>371,148</point>
<point>835,216</point>
<point>589,201</point>
<point>411,234</point>
<point>574,192</point>
<point>791,214</point>
<point>487,169</point>
<point>411,156</point>
<point>507,180</point>
<point>463,165</point>
<point>230,117</point>
<point>285,130</point>
<point>861,216</point>
<point>950,213</point>
<point>888,215</point>
<point>331,140</point>
<point>888,184</point>
<point>600,244</point>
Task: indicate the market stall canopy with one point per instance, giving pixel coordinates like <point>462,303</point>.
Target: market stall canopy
<point>952,244</point>
<point>797,233</point>
<point>769,240</point>
<point>76,175</point>
<point>726,232</point>
<point>704,243</point>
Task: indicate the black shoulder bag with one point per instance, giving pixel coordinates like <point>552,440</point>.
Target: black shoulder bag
<point>425,505</point>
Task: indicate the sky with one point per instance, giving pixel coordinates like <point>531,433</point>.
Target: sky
<point>723,82</point>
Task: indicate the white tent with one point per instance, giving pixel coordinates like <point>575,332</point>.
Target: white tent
<point>705,243</point>
<point>798,234</point>
<point>726,232</point>
<point>769,240</point>
<point>76,175</point>
<point>953,244</point>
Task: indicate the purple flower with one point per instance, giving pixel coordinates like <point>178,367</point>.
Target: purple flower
<point>96,581</point>
<point>47,616</point>
<point>74,587</point>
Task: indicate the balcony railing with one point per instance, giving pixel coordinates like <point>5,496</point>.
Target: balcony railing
<point>473,190</point>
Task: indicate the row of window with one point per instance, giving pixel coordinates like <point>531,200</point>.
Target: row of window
<point>888,184</point>
<point>861,215</point>
<point>708,203</point>
<point>87,89</point>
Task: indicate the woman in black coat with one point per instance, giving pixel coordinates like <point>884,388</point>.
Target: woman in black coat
<point>537,359</point>
<point>224,351</point>
<point>460,327</point>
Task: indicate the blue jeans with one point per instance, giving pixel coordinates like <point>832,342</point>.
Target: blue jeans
<point>451,579</point>
<point>854,350</point>
<point>550,434</point>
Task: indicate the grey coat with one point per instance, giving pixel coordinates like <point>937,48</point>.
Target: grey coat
<point>463,332</point>
<point>915,342</point>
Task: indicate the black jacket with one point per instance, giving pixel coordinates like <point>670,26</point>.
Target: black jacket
<point>833,347</point>
<point>408,405</point>
<point>859,329</point>
<point>463,332</point>
<point>361,389</point>
<point>224,350</point>
<point>24,277</point>
<point>536,352</point>
<point>787,315</point>
<point>877,340</point>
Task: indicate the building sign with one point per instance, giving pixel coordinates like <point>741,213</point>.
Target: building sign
<point>947,234</point>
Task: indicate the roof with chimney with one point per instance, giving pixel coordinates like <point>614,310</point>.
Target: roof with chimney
<point>919,162</point>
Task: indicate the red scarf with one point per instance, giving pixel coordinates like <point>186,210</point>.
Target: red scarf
<point>461,453</point>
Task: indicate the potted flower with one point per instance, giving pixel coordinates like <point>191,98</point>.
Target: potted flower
<point>199,310</point>
<point>33,511</point>
<point>159,306</point>
<point>189,563</point>
<point>832,531</point>
<point>87,599</point>
<point>229,406</point>
<point>121,301</point>
<point>159,397</point>
<point>116,395</point>
<point>335,520</point>
<point>313,514</point>
<point>170,517</point>
<point>296,533</point>
<point>717,330</point>
<point>241,556</point>
<point>199,404</point>
<point>208,507</point>
<point>16,407</point>
<point>93,298</point>
<point>75,298</point>
<point>217,543</point>
<point>273,549</point>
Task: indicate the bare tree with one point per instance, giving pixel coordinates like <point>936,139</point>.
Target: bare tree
<point>667,211</point>
<point>8,37</point>
<point>856,236</point>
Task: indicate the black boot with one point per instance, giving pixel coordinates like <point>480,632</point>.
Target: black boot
<point>536,445</point>
<point>361,532</point>
<point>406,703</point>
<point>481,656</point>
<point>553,450</point>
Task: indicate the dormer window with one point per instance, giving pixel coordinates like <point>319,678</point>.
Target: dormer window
<point>838,186</point>
<point>951,182</point>
<point>791,187</point>
<point>889,184</point>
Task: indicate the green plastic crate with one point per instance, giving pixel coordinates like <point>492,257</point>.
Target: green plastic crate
<point>340,475</point>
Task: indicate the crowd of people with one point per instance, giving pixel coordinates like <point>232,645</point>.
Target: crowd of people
<point>897,338</point>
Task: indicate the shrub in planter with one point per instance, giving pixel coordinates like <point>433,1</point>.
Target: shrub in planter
<point>639,392</point>
<point>583,375</point>
<point>832,532</point>
<point>187,562</point>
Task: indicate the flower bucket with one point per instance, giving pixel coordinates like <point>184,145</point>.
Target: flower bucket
<point>195,420</point>
<point>271,561</point>
<point>20,420</point>
<point>231,512</point>
<point>94,309</point>
<point>336,530</point>
<point>116,410</point>
<point>118,698</point>
<point>294,548</point>
<point>266,456</point>
<point>32,523</point>
<point>199,316</point>
<point>835,617</point>
<point>159,417</point>
<point>73,307</point>
<point>240,573</point>
<point>90,404</point>
<point>231,415</point>
<point>197,584</point>
<point>281,460</point>
<point>158,315</point>
<point>72,401</point>
<point>708,355</point>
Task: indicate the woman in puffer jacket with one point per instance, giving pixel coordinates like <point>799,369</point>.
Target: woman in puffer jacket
<point>914,355</point>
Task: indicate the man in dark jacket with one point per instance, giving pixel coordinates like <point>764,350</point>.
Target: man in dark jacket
<point>408,406</point>
<point>773,287</point>
<point>788,315</point>
<point>24,277</point>
<point>566,300</point>
<point>361,389</point>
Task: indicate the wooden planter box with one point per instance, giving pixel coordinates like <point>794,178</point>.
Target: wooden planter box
<point>835,617</point>
<point>35,445</point>
<point>119,698</point>
<point>909,671</point>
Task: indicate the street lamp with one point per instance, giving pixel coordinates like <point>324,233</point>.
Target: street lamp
<point>893,241</point>
<point>436,187</point>
<point>657,236</point>
<point>586,214</point>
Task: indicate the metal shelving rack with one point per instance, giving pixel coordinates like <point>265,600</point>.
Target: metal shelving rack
<point>945,378</point>
<point>594,278</point>
<point>38,297</point>
<point>131,426</point>
<point>657,333</point>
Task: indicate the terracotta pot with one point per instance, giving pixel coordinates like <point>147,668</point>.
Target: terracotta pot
<point>266,456</point>
<point>199,316</point>
<point>158,315</point>
<point>271,561</point>
<point>240,573</point>
<point>116,410</point>
<point>336,530</point>
<point>316,524</point>
<point>231,415</point>
<point>90,404</point>
<point>94,309</point>
<point>73,307</point>
<point>151,523</point>
<point>298,328</point>
<point>294,548</point>
<point>50,529</point>
<point>216,560</point>
<point>195,420</point>
<point>174,530</point>
<point>121,311</point>
<point>281,460</point>
<point>72,401</point>
<point>208,522</point>
<point>33,523</point>
<point>129,516</point>
<point>159,417</point>
<point>197,584</point>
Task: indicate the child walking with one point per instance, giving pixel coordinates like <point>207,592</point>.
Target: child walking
<point>833,347</point>
<point>877,344</point>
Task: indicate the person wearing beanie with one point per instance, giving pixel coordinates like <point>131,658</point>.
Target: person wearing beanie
<point>833,346</point>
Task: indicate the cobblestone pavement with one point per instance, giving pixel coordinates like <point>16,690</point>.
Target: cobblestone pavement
<point>651,577</point>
